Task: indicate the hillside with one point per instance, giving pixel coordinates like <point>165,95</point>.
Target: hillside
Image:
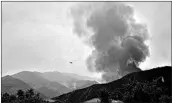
<point>11,85</point>
<point>84,83</point>
<point>37,81</point>
<point>67,79</point>
<point>34,79</point>
<point>91,92</point>
<point>57,87</point>
<point>48,92</point>
<point>45,83</point>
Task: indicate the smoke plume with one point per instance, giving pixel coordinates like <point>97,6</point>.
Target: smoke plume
<point>118,41</point>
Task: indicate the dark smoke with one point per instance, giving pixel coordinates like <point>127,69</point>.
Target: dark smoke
<point>118,41</point>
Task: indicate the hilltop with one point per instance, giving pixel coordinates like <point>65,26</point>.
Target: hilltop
<point>162,75</point>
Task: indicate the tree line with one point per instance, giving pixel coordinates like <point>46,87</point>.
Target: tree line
<point>21,96</point>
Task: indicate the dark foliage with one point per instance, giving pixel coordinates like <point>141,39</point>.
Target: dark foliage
<point>104,96</point>
<point>21,96</point>
<point>138,92</point>
<point>150,86</point>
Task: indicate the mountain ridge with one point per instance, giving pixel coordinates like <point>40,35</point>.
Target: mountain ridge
<point>38,81</point>
<point>11,85</point>
<point>88,93</point>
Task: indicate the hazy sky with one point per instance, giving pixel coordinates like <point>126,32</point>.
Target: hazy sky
<point>38,36</point>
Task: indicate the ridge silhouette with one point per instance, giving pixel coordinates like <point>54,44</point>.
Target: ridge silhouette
<point>85,94</point>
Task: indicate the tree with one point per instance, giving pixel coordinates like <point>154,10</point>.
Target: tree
<point>20,94</point>
<point>5,98</point>
<point>13,97</point>
<point>29,93</point>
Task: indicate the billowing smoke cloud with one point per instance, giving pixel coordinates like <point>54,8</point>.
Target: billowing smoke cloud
<point>118,41</point>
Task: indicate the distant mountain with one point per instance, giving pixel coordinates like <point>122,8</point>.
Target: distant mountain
<point>67,79</point>
<point>91,92</point>
<point>37,81</point>
<point>48,92</point>
<point>59,77</point>
<point>78,77</point>
<point>51,83</point>
<point>34,79</point>
<point>57,87</point>
<point>11,85</point>
<point>84,83</point>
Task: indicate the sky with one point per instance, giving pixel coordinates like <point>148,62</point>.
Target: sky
<point>38,36</point>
